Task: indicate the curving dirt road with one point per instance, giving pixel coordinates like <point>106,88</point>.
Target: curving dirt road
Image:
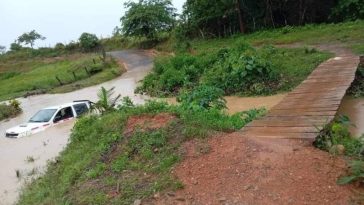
<point>17,154</point>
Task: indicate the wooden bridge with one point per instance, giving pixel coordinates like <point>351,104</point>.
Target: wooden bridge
<point>311,105</point>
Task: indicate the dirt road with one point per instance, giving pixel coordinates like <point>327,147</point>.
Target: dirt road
<point>16,155</point>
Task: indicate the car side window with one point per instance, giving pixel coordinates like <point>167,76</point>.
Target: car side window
<point>80,108</point>
<point>63,114</point>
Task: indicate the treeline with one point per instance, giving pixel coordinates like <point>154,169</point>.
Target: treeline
<point>219,18</point>
<point>201,18</point>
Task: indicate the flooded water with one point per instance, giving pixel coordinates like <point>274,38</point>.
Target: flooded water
<point>46,145</point>
<point>237,104</point>
<point>354,109</point>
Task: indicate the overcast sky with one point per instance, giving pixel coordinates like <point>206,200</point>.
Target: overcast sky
<point>60,20</point>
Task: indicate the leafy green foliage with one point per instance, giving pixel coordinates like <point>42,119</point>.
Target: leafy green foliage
<point>15,46</point>
<point>106,102</point>
<point>203,97</point>
<point>147,18</point>
<point>10,109</point>
<point>30,37</point>
<point>88,41</point>
<point>356,173</point>
<point>348,10</point>
<point>338,133</point>
<point>101,159</point>
<point>242,70</point>
<point>357,87</point>
<point>238,70</point>
<point>205,18</point>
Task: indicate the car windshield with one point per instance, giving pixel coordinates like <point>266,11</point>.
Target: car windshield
<point>43,115</point>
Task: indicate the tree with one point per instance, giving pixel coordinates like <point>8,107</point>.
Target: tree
<point>88,41</point>
<point>106,102</point>
<point>207,18</point>
<point>30,38</point>
<point>2,49</point>
<point>15,46</point>
<point>147,18</point>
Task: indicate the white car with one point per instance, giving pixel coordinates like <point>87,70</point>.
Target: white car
<point>48,117</point>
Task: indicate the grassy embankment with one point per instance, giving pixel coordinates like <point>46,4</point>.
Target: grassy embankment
<point>21,75</point>
<point>108,162</point>
<point>290,66</point>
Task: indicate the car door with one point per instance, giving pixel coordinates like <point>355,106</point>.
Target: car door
<point>63,114</point>
<point>80,109</point>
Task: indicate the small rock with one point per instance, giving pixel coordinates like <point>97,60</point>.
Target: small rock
<point>171,194</point>
<point>137,202</point>
<point>247,187</point>
<point>181,199</point>
<point>157,195</point>
<point>337,149</point>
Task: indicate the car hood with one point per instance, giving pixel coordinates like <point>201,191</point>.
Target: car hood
<point>25,127</point>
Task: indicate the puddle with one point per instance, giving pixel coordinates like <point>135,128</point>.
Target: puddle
<point>238,104</point>
<point>46,145</point>
<point>354,109</point>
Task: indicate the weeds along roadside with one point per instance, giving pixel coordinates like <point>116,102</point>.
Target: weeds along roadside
<point>237,70</point>
<point>336,139</point>
<point>107,162</point>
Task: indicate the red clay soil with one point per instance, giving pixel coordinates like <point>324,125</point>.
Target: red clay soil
<point>148,122</point>
<point>243,170</point>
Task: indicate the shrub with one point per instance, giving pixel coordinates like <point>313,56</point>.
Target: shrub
<point>357,87</point>
<point>242,70</point>
<point>238,70</point>
<point>10,110</point>
<point>348,10</point>
<point>59,46</point>
<point>205,97</point>
<point>88,41</point>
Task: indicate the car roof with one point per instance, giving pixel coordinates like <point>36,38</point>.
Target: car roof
<point>64,105</point>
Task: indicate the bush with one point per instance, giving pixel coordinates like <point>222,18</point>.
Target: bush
<point>203,97</point>
<point>337,135</point>
<point>238,70</point>
<point>242,71</point>
<point>10,110</point>
<point>59,46</point>
<point>88,42</point>
<point>348,10</point>
<point>357,87</point>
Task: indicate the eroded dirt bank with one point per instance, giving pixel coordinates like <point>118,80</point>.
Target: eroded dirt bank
<point>44,146</point>
<point>244,170</point>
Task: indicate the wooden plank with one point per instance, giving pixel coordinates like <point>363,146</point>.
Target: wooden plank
<point>311,105</point>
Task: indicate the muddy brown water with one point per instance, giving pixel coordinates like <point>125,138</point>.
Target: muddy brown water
<point>354,109</point>
<point>46,145</point>
<point>238,104</point>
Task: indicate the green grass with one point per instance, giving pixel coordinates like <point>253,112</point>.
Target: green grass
<point>350,34</point>
<point>101,165</point>
<point>19,77</point>
<point>286,68</point>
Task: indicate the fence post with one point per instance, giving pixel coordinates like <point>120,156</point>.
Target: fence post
<point>88,73</point>
<point>74,75</point>
<point>361,63</point>
<point>59,80</point>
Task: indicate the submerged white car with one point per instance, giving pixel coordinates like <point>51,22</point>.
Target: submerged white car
<point>48,117</point>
